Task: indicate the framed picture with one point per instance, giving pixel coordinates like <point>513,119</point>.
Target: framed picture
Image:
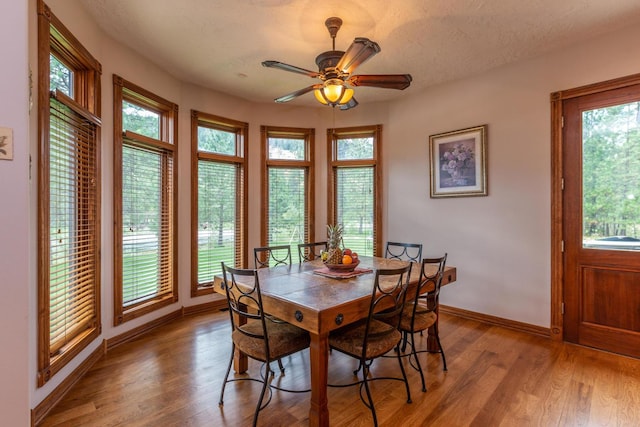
<point>458,163</point>
<point>6,143</point>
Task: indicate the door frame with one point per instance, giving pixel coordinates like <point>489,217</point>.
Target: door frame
<point>557,174</point>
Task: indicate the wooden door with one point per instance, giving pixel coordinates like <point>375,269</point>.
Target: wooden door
<point>601,221</point>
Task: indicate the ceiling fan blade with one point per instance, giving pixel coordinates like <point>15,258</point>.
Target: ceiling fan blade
<point>292,68</point>
<point>351,104</point>
<point>386,81</point>
<point>292,95</point>
<point>360,51</point>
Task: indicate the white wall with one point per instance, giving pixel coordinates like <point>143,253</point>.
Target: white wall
<point>500,243</point>
<point>15,275</point>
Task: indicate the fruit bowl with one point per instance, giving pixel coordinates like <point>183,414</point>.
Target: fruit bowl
<point>342,267</point>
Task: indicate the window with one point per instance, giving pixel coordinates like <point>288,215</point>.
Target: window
<point>60,76</point>
<point>219,198</point>
<point>354,186</point>
<point>145,197</point>
<point>288,185</point>
<point>69,196</point>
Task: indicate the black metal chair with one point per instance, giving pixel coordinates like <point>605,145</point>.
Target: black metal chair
<point>311,251</point>
<point>422,313</point>
<point>258,338</point>
<point>373,337</point>
<point>271,256</point>
<point>404,251</point>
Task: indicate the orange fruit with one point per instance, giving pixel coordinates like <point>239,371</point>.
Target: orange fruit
<point>346,259</point>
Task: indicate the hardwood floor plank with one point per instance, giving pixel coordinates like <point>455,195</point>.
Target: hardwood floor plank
<point>172,376</point>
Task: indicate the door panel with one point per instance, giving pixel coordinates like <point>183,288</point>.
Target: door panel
<point>601,224</point>
<point>611,298</point>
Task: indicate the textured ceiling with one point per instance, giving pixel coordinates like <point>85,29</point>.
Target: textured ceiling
<point>220,44</point>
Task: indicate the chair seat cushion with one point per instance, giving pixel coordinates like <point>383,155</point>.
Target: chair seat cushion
<point>425,318</point>
<point>284,339</point>
<point>350,339</point>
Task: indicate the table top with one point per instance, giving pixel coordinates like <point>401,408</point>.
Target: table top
<point>320,304</point>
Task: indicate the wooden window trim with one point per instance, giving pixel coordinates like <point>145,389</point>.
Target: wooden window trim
<point>124,90</point>
<point>333,135</point>
<point>308,134</point>
<point>54,37</point>
<point>241,130</point>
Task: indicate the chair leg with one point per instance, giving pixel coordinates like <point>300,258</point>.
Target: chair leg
<point>226,377</point>
<point>265,384</point>
<point>415,356</point>
<point>358,368</point>
<point>404,375</point>
<point>280,366</point>
<point>444,361</point>
<point>365,374</point>
<point>405,338</point>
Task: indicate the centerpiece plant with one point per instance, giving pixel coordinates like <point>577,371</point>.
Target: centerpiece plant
<point>334,240</point>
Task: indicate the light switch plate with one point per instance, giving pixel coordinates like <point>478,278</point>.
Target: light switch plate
<point>6,143</point>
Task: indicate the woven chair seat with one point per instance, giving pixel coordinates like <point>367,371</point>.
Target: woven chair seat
<point>284,339</point>
<point>424,318</point>
<point>349,339</point>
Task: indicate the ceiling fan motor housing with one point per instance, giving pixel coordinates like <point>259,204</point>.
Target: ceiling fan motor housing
<point>327,62</point>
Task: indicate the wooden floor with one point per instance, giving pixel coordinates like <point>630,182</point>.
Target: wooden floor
<point>496,377</point>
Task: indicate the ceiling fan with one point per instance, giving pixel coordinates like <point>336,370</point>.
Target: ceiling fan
<point>335,70</point>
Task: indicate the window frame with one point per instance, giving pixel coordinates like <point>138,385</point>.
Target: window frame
<point>124,90</point>
<point>308,135</point>
<point>240,159</point>
<point>54,38</point>
<point>333,136</point>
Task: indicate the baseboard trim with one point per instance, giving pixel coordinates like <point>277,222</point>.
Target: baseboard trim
<point>205,308</point>
<point>497,321</point>
<point>42,409</point>
<point>142,329</point>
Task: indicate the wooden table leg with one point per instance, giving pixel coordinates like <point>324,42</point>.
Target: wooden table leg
<point>432,343</point>
<point>319,361</point>
<point>240,360</point>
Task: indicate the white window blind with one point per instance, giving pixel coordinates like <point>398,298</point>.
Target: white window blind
<point>147,226</point>
<point>73,221</point>
<point>287,216</point>
<point>355,204</point>
<point>219,183</point>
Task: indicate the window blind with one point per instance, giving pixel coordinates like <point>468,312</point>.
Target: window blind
<point>355,207</point>
<point>73,221</point>
<point>219,183</point>
<point>147,225</point>
<point>287,217</point>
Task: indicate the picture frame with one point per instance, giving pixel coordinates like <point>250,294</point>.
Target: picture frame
<point>6,143</point>
<point>458,163</point>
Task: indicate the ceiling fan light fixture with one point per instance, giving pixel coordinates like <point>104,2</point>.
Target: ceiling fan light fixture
<point>333,92</point>
<point>348,94</point>
<point>320,97</point>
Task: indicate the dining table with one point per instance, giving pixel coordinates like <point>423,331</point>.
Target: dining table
<point>301,295</point>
